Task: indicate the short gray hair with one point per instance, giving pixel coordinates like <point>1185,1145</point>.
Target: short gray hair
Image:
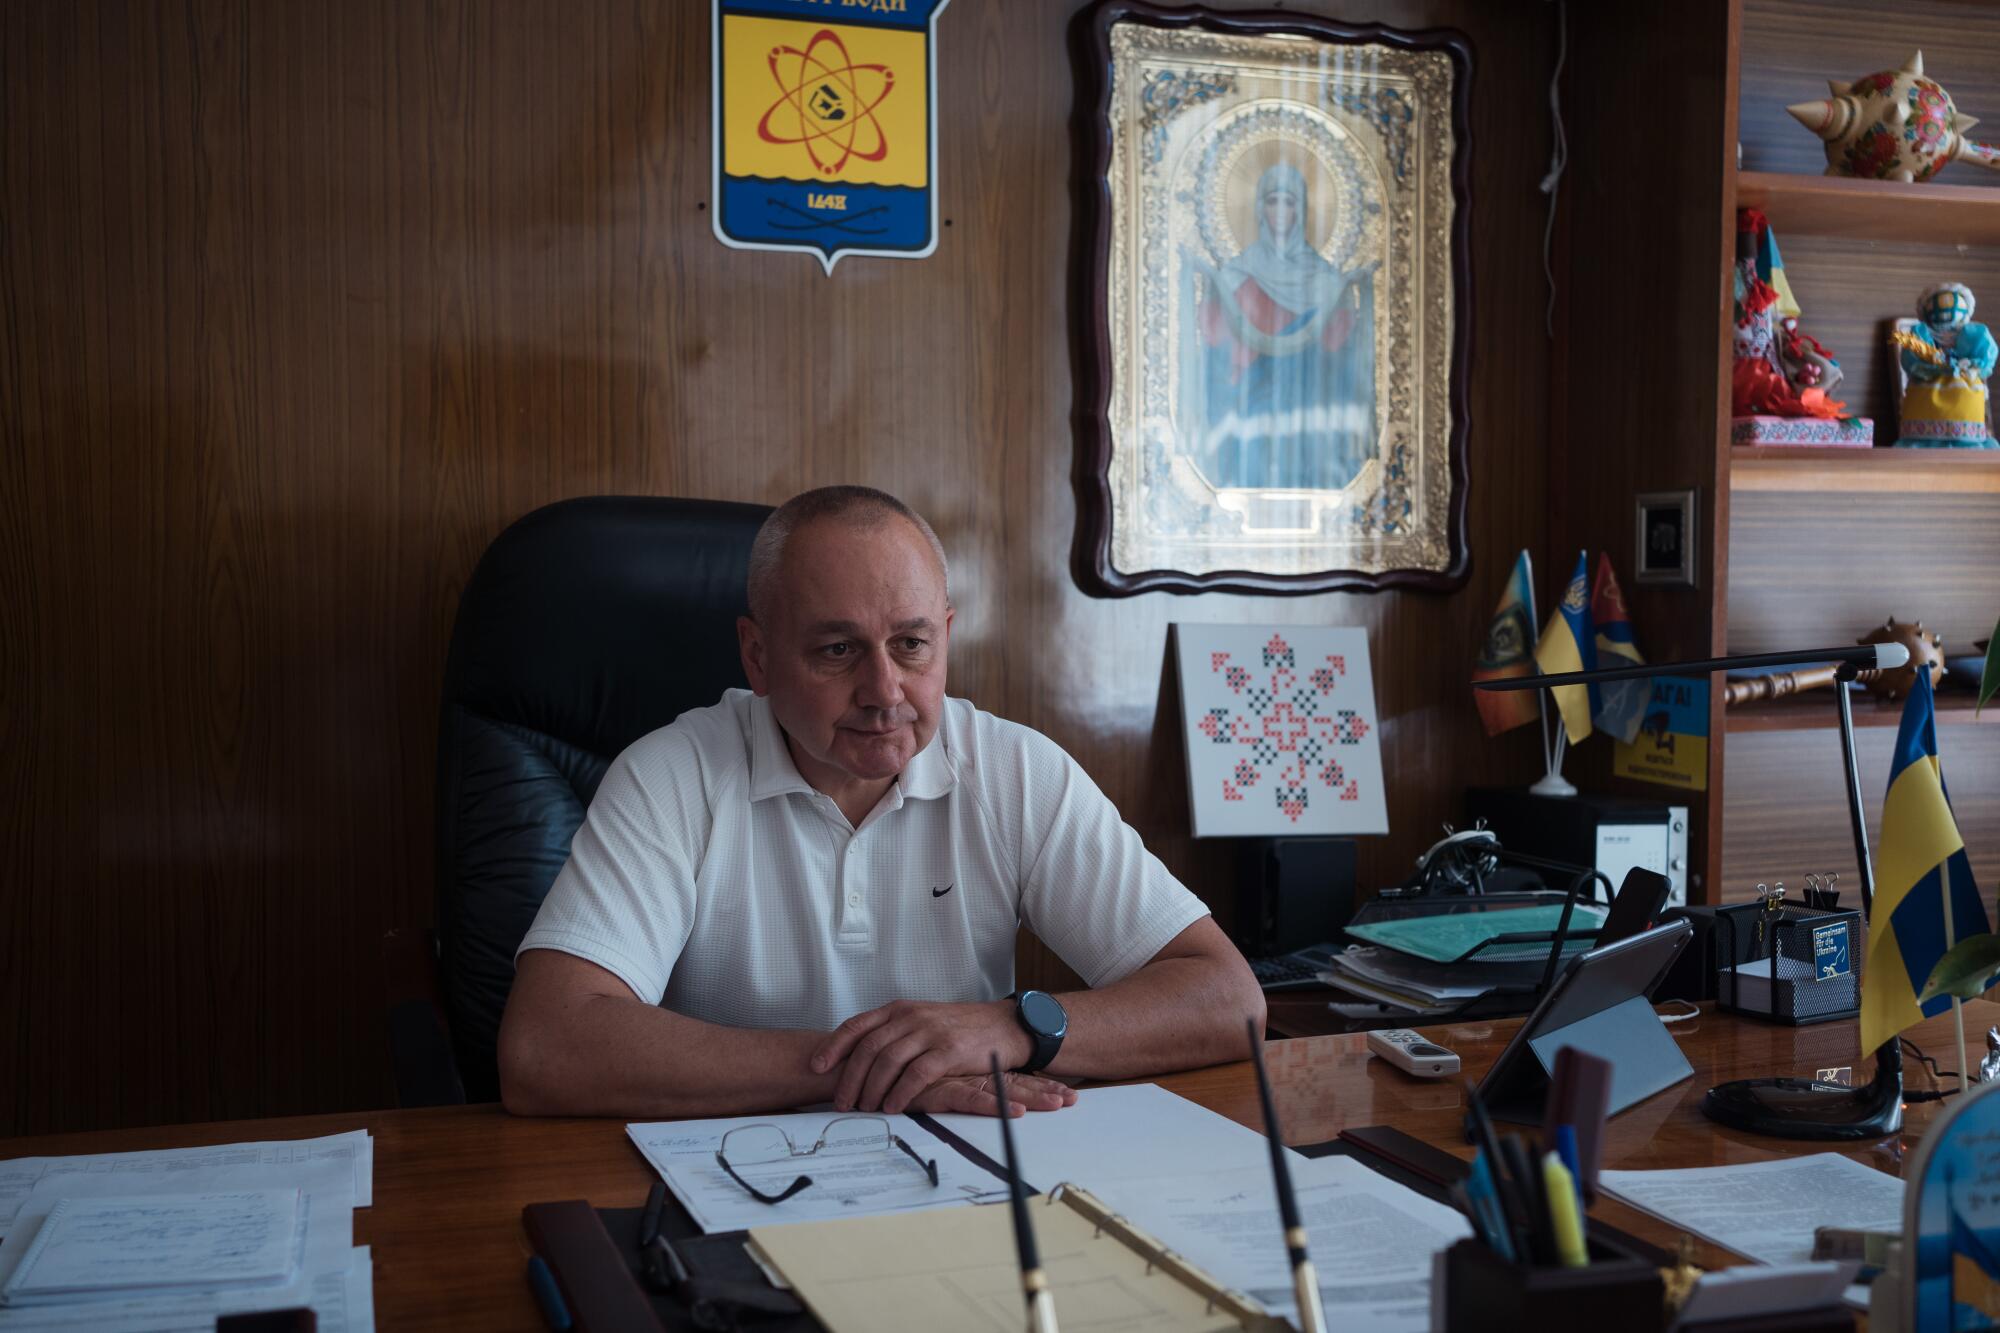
<point>863,506</point>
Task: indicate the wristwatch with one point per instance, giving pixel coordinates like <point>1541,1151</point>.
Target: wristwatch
<point>1046,1022</point>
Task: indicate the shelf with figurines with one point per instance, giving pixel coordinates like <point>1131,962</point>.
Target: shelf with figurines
<point>1788,429</point>
<point>1802,699</point>
<point>1886,134</point>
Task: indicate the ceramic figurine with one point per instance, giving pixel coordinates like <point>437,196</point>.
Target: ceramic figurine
<point>1894,124</point>
<point>1947,359</point>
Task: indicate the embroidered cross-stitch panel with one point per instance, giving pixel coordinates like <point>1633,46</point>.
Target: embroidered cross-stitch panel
<point>1281,730</point>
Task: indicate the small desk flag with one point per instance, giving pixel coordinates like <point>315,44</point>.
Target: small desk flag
<point>1505,653</point>
<point>1922,858</point>
<point>1568,644</point>
<point>1621,704</point>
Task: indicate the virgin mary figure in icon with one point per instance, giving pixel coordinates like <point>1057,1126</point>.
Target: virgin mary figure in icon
<point>1280,370</point>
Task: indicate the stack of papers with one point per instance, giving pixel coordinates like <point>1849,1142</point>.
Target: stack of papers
<point>168,1240</point>
<point>1445,937</point>
<point>159,1245</point>
<point>1392,978</point>
<point>1197,1181</point>
<point>1766,1211</point>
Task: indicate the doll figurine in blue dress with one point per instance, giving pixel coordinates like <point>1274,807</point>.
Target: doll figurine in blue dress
<point>1948,360</point>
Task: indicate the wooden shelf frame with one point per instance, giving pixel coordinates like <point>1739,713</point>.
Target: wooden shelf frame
<point>1869,471</point>
<point>1932,213</point>
<point>1814,710</point>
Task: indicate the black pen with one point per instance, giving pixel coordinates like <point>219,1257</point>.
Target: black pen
<point>1034,1283</point>
<point>1305,1283</point>
<point>649,1225</point>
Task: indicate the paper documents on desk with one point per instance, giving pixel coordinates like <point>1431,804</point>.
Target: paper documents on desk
<point>848,1185</point>
<point>328,1273</point>
<point>159,1245</point>
<point>1765,1211</point>
<point>1112,1134</point>
<point>355,1148</point>
<point>1371,1240</point>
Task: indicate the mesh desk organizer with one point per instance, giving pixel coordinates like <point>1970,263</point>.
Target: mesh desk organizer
<point>1797,965</point>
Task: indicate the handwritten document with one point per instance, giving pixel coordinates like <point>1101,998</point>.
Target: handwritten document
<point>159,1242</point>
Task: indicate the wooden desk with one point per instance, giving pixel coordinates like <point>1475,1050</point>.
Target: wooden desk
<point>450,1182</point>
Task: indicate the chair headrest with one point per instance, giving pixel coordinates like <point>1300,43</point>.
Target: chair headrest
<point>599,619</point>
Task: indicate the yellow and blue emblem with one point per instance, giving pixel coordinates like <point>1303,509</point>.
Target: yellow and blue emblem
<point>825,122</point>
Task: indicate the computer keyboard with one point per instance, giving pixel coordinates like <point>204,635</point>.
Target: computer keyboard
<point>1289,971</point>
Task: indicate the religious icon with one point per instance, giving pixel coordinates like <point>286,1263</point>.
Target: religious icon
<point>1278,290</point>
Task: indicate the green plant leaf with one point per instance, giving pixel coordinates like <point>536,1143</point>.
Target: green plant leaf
<point>1989,675</point>
<point>1965,970</point>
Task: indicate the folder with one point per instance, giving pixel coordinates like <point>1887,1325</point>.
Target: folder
<point>952,1268</point>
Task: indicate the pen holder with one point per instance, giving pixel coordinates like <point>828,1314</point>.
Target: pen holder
<point>1797,965</point>
<point>1480,1291</point>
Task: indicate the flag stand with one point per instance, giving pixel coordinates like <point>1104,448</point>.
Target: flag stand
<point>1957,1009</point>
<point>1553,783</point>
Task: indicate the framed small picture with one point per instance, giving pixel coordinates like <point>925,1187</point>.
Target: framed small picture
<point>1282,734</point>
<point>1664,528</point>
<point>1272,252</point>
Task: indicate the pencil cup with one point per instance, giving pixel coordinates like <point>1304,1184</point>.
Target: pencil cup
<point>1481,1291</point>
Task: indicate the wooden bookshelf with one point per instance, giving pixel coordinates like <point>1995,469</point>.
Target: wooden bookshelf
<point>1814,710</point>
<point>1931,213</point>
<point>1870,471</point>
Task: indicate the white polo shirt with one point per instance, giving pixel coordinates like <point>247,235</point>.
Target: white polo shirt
<point>710,878</point>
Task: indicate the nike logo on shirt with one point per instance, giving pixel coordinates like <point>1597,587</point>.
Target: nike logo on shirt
<point>939,893</point>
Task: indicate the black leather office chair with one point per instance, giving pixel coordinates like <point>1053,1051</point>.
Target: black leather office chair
<point>586,624</point>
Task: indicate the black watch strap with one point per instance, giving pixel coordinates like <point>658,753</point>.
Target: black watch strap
<point>1046,1044</point>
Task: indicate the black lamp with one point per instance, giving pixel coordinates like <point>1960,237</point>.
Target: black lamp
<point>1793,1108</point>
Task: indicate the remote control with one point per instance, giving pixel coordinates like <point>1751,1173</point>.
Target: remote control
<point>1413,1053</point>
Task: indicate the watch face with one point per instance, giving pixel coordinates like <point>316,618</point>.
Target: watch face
<point>1042,1014</point>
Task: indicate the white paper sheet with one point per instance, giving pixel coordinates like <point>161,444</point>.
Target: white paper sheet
<point>1753,1291</point>
<point>324,1259</point>
<point>136,1244</point>
<point>342,1297</point>
<point>853,1185</point>
<point>356,1148</point>
<point>1371,1240</point>
<point>1765,1211</point>
<point>1141,1130</point>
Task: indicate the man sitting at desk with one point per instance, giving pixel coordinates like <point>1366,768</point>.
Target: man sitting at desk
<point>810,891</point>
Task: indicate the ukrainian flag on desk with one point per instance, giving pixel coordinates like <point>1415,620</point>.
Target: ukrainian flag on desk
<point>1570,644</point>
<point>1921,854</point>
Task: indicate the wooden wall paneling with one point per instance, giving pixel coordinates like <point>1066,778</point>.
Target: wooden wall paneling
<point>1791,48</point>
<point>1787,813</point>
<point>1811,569</point>
<point>301,304</point>
<point>1623,430</point>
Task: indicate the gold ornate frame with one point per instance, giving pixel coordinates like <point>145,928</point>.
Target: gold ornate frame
<point>1180,109</point>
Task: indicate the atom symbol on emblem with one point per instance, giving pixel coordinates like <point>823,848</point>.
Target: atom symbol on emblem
<point>827,103</point>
